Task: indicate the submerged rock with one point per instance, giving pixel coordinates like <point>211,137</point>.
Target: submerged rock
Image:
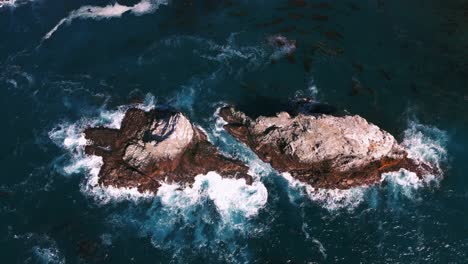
<point>154,146</point>
<point>284,48</point>
<point>322,150</point>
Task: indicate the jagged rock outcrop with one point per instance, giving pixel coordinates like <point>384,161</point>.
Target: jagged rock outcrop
<point>322,150</point>
<point>157,145</point>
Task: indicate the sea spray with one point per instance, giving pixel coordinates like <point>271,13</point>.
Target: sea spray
<point>424,144</point>
<point>213,215</point>
<point>232,197</point>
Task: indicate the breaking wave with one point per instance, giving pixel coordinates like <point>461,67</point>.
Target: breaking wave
<point>106,12</point>
<point>212,219</point>
<point>424,144</point>
<point>231,196</point>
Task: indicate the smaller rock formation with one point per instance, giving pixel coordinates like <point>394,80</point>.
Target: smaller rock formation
<point>322,150</point>
<point>284,48</point>
<point>157,145</point>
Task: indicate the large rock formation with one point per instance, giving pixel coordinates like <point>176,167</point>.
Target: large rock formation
<point>154,146</point>
<point>322,150</point>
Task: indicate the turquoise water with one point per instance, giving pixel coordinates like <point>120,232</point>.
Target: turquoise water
<point>67,65</point>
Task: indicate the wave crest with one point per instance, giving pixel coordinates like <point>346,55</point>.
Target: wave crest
<point>232,197</point>
<point>423,143</point>
<point>426,143</point>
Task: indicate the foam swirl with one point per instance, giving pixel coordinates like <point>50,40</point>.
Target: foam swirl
<point>106,12</point>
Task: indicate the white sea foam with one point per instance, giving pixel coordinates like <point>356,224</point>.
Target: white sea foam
<point>106,12</point>
<point>70,136</point>
<point>8,3</point>
<point>232,55</point>
<point>406,182</point>
<point>330,199</point>
<point>48,255</point>
<point>13,3</point>
<point>321,248</point>
<point>219,122</point>
<point>232,197</point>
<point>13,83</point>
<point>313,90</point>
<point>231,50</point>
<point>220,52</point>
<point>310,91</point>
<point>425,144</point>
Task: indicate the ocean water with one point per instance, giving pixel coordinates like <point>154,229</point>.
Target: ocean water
<point>66,65</point>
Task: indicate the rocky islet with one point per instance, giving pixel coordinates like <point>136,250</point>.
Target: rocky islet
<point>322,150</point>
<point>159,145</point>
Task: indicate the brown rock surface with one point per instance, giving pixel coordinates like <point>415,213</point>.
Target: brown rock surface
<point>154,146</point>
<point>322,150</point>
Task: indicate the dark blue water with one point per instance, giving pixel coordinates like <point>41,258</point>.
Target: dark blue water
<point>65,65</point>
